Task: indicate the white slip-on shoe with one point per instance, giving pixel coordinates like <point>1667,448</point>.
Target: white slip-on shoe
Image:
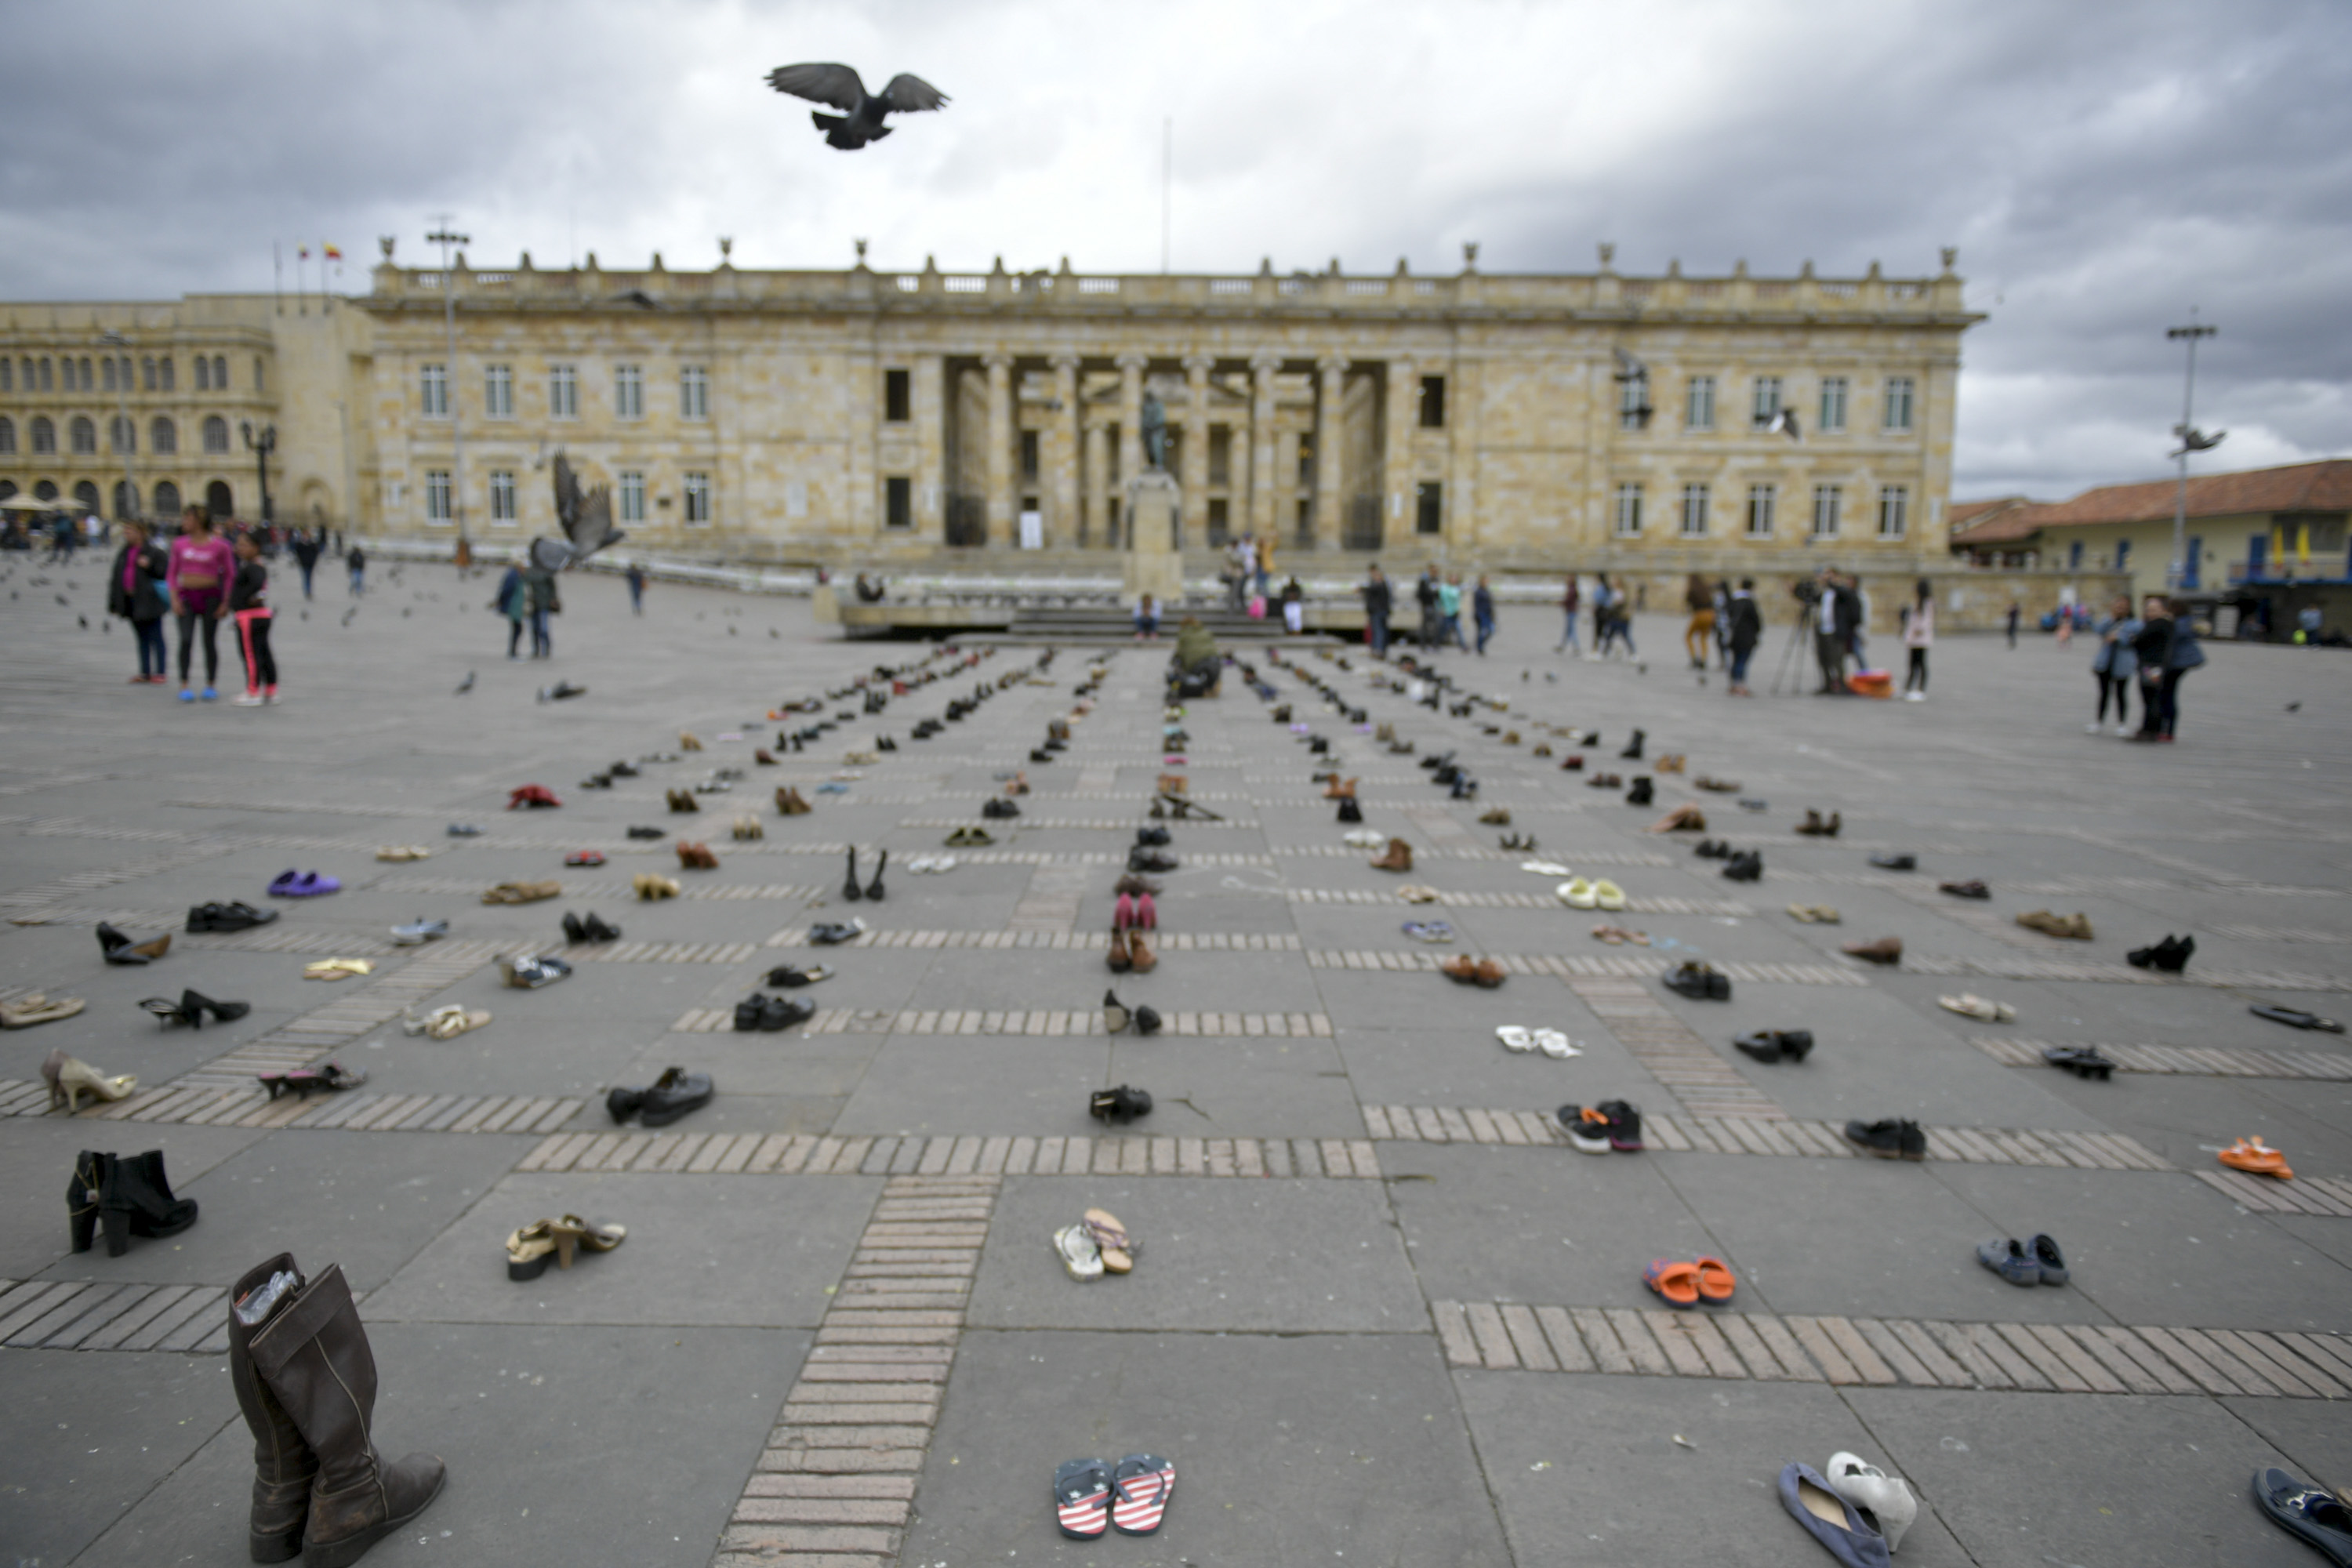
<point>1079,1253</point>
<point>1544,868</point>
<point>1514,1038</point>
<point>1555,1043</point>
<point>1608,895</point>
<point>1886,1499</point>
<point>1577,894</point>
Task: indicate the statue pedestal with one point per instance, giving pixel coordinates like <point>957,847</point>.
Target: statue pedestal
<point>1152,565</point>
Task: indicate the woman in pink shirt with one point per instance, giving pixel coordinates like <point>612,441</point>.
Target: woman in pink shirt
<point>198,575</point>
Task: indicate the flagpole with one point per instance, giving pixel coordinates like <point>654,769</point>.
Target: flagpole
<point>278,278</point>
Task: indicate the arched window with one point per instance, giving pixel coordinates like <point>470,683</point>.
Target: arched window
<point>45,434</point>
<point>109,363</point>
<point>218,500</point>
<point>126,500</point>
<point>47,385</point>
<point>122,436</point>
<point>220,372</point>
<point>7,489</point>
<point>88,383</point>
<point>163,435</point>
<point>7,373</point>
<point>164,365</point>
<point>45,489</point>
<point>8,435</point>
<point>167,498</point>
<point>84,433</point>
<point>85,493</point>
<point>204,373</point>
<point>147,374</point>
<point>215,431</point>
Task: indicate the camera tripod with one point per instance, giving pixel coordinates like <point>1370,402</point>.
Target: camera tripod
<point>1800,638</point>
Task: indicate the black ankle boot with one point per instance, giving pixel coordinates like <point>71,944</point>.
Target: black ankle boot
<point>850,890</point>
<point>136,1199</point>
<point>874,888</point>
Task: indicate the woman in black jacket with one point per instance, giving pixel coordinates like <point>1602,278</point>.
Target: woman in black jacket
<point>1747,630</point>
<point>135,591</point>
<point>2153,645</point>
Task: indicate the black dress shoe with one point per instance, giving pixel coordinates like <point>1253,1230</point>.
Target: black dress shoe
<point>2084,1061</point>
<point>1888,1140</point>
<point>1122,1105</point>
<point>781,1012</point>
<point>1744,867</point>
<point>1896,862</point>
<point>673,1095</point>
<point>747,1013</point>
<point>1700,981</point>
<point>1639,792</point>
<point>1773,1045</point>
<point>623,1103</point>
<point>1151,836</point>
<point>573,932</point>
<point>647,833</point>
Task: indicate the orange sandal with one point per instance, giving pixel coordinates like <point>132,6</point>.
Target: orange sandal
<point>2250,1154</point>
<point>1677,1282</point>
<point>1716,1280</point>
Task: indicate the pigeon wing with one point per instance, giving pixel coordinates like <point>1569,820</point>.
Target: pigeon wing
<point>837,85</point>
<point>909,92</point>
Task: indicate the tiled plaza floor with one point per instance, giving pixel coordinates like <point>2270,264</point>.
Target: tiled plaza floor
<point>1382,1312</point>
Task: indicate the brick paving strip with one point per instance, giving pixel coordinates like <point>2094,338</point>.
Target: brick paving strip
<point>2202,1061</point>
<point>1059,941</point>
<point>2069,1358</point>
<point>1615,965</point>
<point>801,1153</point>
<point>1686,1066</point>
<point>835,1483</point>
<point>1739,1132</point>
<point>2120,974</point>
<point>849,1021</point>
<point>2266,1194</point>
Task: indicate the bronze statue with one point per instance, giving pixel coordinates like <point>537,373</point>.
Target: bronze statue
<point>1155,432</point>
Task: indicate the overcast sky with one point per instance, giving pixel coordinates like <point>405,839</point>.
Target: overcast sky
<point>2104,165</point>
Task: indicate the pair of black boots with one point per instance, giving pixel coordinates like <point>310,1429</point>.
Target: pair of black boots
<point>128,1195</point>
<point>771,1014</point>
<point>873,889</point>
<point>2171,955</point>
<point>1746,866</point>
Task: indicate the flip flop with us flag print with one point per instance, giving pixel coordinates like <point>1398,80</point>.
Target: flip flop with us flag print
<point>1082,1497</point>
<point>1141,1486</point>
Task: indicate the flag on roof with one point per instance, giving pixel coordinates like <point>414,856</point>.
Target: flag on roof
<point>332,252</point>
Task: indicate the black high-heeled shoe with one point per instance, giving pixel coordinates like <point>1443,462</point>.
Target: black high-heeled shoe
<point>172,1011</point>
<point>136,1199</point>
<point>874,888</point>
<point>197,1004</point>
<point>850,890</point>
<point>120,949</point>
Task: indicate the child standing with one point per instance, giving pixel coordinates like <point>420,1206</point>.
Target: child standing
<point>246,591</point>
<point>197,573</point>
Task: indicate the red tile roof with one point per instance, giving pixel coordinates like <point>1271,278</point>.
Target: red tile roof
<point>2325,486</point>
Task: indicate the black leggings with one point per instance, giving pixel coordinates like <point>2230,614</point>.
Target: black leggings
<point>252,639</point>
<point>2121,686</point>
<point>1916,677</point>
<point>189,622</point>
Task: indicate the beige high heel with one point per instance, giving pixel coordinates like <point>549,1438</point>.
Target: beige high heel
<point>69,1078</point>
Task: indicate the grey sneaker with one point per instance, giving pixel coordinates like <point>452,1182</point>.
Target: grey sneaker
<point>2010,1259</point>
<point>418,932</point>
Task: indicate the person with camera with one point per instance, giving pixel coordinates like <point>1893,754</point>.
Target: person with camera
<point>1836,613</point>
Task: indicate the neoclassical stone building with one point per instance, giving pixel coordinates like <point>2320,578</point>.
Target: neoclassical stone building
<point>1510,420</point>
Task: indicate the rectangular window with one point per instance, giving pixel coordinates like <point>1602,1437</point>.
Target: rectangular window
<point>897,396</point>
<point>1221,454</point>
<point>698,498</point>
<point>694,392</point>
<point>1633,403</point>
<point>1698,405</point>
<point>497,391</point>
<point>1694,512</point>
<point>898,499</point>
<point>562,391</point>
<point>109,363</point>
<point>1761,501</point>
<point>1833,410</point>
<point>502,495</point>
<point>436,495</point>
<point>628,391</point>
<point>8,374</point>
<point>1894,510</point>
<point>1029,456</point>
<point>164,365</point>
<point>1429,507</point>
<point>433,391</point>
<point>1433,408</point>
<point>1627,522</point>
<point>1765,406</point>
<point>1220,520</point>
<point>1826,501</point>
<point>632,496</point>
<point>1899,403</point>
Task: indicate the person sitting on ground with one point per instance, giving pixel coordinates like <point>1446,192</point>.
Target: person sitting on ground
<point>869,591</point>
<point>1294,607</point>
<point>1147,619</point>
<point>1197,659</point>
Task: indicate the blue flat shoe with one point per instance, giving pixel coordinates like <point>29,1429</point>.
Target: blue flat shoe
<point>2308,1511</point>
<point>2010,1259</point>
<point>211,695</point>
<point>1831,1520</point>
<point>187,695</point>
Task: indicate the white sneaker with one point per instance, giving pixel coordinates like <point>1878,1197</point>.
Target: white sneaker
<point>1915,697</point>
<point>1887,1498</point>
<point>1514,1038</point>
<point>250,699</point>
<point>2091,729</point>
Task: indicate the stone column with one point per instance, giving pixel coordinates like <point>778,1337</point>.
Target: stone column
<point>1403,415</point>
<point>1263,478</point>
<point>1130,417</point>
<point>999,506</point>
<point>1061,516</point>
<point>1097,487</point>
<point>1331,375</point>
<point>1194,458</point>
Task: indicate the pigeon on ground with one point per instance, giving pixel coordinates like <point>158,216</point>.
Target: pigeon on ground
<point>465,685</point>
<point>84,620</point>
<point>841,87</point>
<point>349,614</point>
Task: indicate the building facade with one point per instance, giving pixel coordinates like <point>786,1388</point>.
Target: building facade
<point>1519,421</point>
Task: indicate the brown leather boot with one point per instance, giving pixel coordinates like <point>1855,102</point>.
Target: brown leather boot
<point>1140,955</point>
<point>283,1464</point>
<point>1338,790</point>
<point>312,1356</point>
<point>1397,858</point>
<point>1120,959</point>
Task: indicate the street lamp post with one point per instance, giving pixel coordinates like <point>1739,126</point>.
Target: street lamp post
<point>445,237</point>
<point>2191,440</point>
<point>113,340</point>
<point>261,445</point>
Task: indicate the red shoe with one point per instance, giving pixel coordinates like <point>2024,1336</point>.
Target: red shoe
<point>585,858</point>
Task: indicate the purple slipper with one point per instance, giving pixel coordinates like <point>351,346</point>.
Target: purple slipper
<point>312,884</point>
<point>287,885</point>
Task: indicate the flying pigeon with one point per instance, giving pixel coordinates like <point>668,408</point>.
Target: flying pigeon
<point>2193,439</point>
<point>861,120</point>
<point>1784,423</point>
